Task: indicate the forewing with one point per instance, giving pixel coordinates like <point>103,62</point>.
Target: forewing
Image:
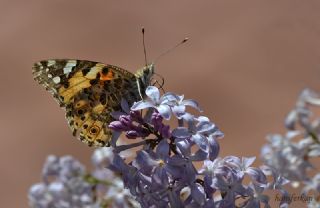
<point>89,91</point>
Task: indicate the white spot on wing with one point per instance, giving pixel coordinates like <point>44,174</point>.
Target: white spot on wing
<point>50,75</point>
<point>67,69</point>
<point>51,62</point>
<point>56,80</point>
<point>71,63</point>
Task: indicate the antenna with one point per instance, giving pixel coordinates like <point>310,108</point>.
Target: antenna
<point>156,81</point>
<point>171,49</point>
<point>162,83</point>
<point>144,48</point>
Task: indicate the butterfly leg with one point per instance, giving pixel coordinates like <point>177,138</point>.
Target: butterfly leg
<point>139,89</point>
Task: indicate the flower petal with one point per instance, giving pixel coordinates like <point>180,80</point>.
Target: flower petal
<point>145,161</point>
<point>191,103</point>
<point>153,93</point>
<point>189,118</point>
<point>203,119</point>
<point>206,127</point>
<point>257,175</point>
<point>200,155</point>
<point>163,149</point>
<point>181,132</point>
<point>197,193</point>
<point>291,119</point>
<point>159,177</point>
<point>179,110</point>
<point>201,141</point>
<point>169,97</point>
<point>164,111</point>
<point>142,105</point>
<point>174,200</point>
<point>214,148</point>
<point>184,146</point>
<point>247,161</point>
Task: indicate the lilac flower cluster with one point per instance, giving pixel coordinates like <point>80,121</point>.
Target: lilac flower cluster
<point>66,184</point>
<point>291,154</point>
<point>163,173</point>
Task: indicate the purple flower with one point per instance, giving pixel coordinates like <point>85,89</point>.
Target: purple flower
<point>230,185</point>
<point>64,185</point>
<point>243,166</point>
<point>157,122</point>
<point>68,184</point>
<point>39,196</point>
<point>166,104</point>
<point>162,171</point>
<point>278,180</point>
<point>277,183</point>
<point>179,106</point>
<point>286,156</point>
<point>159,164</point>
<point>312,185</point>
<point>256,197</point>
<point>301,114</point>
<point>102,157</point>
<point>161,104</point>
<point>203,133</point>
<point>131,124</point>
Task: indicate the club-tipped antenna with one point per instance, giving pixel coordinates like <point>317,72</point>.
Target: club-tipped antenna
<point>144,48</point>
<point>171,49</point>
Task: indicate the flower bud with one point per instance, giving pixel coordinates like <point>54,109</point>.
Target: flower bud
<point>117,126</point>
<point>132,134</point>
<point>125,120</point>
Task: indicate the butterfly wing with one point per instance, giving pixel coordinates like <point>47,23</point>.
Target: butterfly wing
<point>88,91</point>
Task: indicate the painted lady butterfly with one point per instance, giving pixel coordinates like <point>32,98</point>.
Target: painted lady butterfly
<point>89,91</point>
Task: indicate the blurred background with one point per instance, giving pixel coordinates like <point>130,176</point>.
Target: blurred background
<point>246,62</point>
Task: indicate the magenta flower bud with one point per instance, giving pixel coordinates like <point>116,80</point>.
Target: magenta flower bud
<point>132,134</point>
<point>117,126</point>
<point>125,120</point>
<point>156,118</point>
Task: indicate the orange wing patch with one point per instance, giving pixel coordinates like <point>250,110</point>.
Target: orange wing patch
<point>106,74</point>
<point>80,81</point>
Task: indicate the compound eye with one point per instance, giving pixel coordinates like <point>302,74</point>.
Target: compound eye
<point>94,130</point>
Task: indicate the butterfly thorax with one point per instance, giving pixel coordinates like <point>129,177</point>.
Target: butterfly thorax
<point>143,77</point>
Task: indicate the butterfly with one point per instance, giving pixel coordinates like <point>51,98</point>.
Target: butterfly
<point>89,91</point>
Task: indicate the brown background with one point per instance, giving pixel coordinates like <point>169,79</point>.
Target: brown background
<point>245,63</point>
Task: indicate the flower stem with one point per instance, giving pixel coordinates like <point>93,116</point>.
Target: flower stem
<point>121,148</point>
